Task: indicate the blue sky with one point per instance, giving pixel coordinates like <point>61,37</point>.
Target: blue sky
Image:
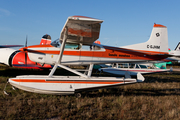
<point>125,21</point>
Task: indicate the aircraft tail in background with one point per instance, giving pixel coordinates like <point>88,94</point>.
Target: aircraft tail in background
<point>45,40</point>
<point>158,40</point>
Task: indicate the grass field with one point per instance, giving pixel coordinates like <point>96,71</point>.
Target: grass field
<point>157,98</point>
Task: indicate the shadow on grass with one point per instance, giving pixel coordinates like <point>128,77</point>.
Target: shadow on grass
<point>155,79</point>
<point>13,72</point>
<point>163,77</point>
<point>113,92</point>
<point>134,92</point>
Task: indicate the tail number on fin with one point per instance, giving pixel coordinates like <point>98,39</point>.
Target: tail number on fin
<point>153,46</point>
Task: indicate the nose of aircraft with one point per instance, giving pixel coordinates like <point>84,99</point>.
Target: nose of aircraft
<point>23,49</point>
<point>5,55</point>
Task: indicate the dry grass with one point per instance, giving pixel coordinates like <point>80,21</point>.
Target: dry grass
<point>157,98</point>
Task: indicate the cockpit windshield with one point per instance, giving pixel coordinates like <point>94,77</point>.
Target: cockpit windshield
<point>56,43</point>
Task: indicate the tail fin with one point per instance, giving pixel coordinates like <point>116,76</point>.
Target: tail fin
<point>177,47</point>
<point>158,40</point>
<point>45,40</point>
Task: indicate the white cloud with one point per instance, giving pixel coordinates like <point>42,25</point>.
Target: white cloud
<point>4,12</point>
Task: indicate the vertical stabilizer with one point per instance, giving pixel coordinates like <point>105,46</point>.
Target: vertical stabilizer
<point>158,40</point>
<point>45,40</point>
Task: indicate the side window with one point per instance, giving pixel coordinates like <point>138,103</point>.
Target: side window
<point>72,46</point>
<point>86,47</point>
<point>123,65</point>
<point>120,66</point>
<point>131,65</point>
<point>90,47</point>
<point>143,66</point>
<point>126,65</point>
<point>137,66</point>
<point>96,47</point>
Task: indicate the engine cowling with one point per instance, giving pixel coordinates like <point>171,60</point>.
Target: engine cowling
<point>6,55</point>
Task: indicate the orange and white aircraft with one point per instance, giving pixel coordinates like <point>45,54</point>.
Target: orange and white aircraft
<point>20,59</point>
<point>76,47</point>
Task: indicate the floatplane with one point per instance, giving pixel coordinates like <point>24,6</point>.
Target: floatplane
<point>80,33</point>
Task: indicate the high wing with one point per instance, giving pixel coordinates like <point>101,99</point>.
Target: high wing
<point>81,30</point>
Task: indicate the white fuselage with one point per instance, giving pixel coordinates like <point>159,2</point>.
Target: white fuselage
<point>105,54</point>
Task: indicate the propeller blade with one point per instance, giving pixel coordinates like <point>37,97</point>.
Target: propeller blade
<point>26,41</point>
<point>25,50</point>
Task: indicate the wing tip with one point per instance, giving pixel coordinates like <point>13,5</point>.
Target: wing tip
<point>79,17</point>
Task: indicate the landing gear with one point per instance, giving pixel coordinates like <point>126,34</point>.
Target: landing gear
<point>78,95</point>
<point>5,88</point>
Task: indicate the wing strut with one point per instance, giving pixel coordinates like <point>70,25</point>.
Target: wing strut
<point>58,63</point>
<point>61,53</point>
<point>90,70</point>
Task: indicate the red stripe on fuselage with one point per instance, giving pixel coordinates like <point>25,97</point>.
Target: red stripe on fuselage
<point>66,81</point>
